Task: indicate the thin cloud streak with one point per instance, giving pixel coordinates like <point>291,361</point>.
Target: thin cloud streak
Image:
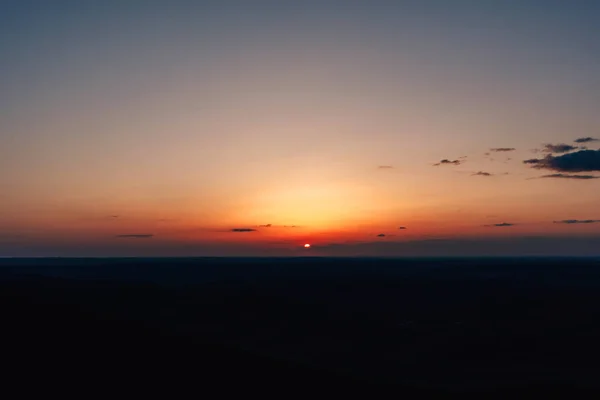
<point>136,236</point>
<point>586,140</point>
<point>503,224</point>
<point>566,176</point>
<point>577,221</point>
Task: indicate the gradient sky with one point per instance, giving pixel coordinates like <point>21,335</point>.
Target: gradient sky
<point>166,127</point>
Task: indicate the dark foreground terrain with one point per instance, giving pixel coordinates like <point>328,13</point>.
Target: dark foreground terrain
<point>284,326</point>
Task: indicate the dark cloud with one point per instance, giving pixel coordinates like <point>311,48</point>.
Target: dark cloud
<point>136,236</point>
<point>566,176</point>
<point>577,221</point>
<point>558,148</point>
<point>449,162</point>
<point>265,226</point>
<point>481,173</point>
<point>385,167</point>
<point>402,227</point>
<point>502,149</point>
<point>486,154</point>
<point>586,140</point>
<point>503,224</point>
<point>580,161</point>
<point>533,161</point>
<point>243,230</point>
<point>289,226</point>
<point>381,235</point>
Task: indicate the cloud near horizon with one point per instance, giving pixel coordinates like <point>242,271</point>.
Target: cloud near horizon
<point>566,176</point>
<point>402,227</point>
<point>438,247</point>
<point>385,167</point>
<point>502,149</point>
<point>580,161</point>
<point>243,230</point>
<point>448,162</point>
<point>586,140</point>
<point>136,236</point>
<point>503,224</point>
<point>577,221</point>
<point>481,173</point>
<point>558,148</point>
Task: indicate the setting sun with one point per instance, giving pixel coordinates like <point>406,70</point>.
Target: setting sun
<point>307,245</point>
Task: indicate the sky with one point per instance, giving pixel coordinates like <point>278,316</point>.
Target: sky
<point>234,128</point>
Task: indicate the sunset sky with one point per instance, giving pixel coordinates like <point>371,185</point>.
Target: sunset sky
<point>165,128</point>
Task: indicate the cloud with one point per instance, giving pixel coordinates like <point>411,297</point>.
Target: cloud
<point>586,140</point>
<point>381,235</point>
<point>385,167</point>
<point>481,173</point>
<point>265,226</point>
<point>558,148</point>
<point>577,221</point>
<point>243,230</point>
<point>484,246</point>
<point>566,176</point>
<point>503,224</point>
<point>502,149</point>
<point>449,162</point>
<point>136,236</point>
<point>580,161</point>
<point>402,227</point>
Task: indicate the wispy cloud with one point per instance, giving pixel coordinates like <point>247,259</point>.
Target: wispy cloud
<point>136,236</point>
<point>481,173</point>
<point>502,149</point>
<point>580,161</point>
<point>567,176</point>
<point>577,221</point>
<point>243,230</point>
<point>448,162</point>
<point>586,140</point>
<point>381,235</point>
<point>265,226</point>
<point>385,167</point>
<point>503,224</point>
<point>558,148</point>
<point>402,227</point>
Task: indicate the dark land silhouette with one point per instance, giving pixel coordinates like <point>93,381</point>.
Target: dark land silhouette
<point>258,325</point>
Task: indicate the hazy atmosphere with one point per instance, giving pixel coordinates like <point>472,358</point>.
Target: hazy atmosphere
<point>191,128</point>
